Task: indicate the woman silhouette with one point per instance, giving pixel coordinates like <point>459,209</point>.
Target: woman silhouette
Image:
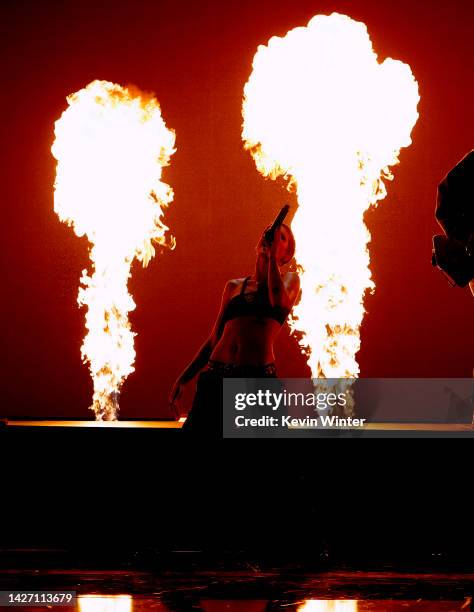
<point>252,312</point>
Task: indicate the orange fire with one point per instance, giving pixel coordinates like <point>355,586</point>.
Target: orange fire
<point>105,603</point>
<point>322,605</point>
<point>111,145</point>
<point>321,111</point>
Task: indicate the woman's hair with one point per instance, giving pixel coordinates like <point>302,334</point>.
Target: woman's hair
<point>290,249</point>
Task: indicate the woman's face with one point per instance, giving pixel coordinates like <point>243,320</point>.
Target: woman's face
<point>281,235</point>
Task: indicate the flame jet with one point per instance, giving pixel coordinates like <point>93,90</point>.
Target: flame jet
<point>111,145</point>
<point>319,605</point>
<point>321,111</point>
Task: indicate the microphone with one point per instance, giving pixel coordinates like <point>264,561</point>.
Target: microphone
<point>270,233</point>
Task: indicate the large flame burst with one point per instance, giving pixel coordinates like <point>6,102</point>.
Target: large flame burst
<point>321,111</point>
<point>111,144</point>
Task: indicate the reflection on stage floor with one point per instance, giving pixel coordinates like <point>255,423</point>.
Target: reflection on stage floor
<point>248,590</point>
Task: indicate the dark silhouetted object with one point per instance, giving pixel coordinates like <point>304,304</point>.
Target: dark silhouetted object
<point>270,233</point>
<point>453,252</point>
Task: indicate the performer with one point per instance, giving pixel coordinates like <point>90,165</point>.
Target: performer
<point>252,312</point>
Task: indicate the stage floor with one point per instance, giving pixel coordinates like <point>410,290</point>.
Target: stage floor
<point>137,424</point>
<point>251,589</point>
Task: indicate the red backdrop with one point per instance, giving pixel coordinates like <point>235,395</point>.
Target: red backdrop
<point>196,57</point>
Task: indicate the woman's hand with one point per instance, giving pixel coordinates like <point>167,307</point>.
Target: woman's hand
<point>175,398</point>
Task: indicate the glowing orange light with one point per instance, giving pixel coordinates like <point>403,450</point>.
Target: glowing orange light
<point>320,110</point>
<point>105,603</point>
<point>323,605</point>
<point>111,144</point>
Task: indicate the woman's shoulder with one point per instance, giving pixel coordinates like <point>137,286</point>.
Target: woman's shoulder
<point>233,284</point>
<point>236,282</point>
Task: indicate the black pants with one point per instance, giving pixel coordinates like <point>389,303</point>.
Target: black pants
<point>205,417</point>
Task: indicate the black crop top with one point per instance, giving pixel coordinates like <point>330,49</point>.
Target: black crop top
<point>256,303</point>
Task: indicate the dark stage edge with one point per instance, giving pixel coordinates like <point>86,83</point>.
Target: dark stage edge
<point>171,427</point>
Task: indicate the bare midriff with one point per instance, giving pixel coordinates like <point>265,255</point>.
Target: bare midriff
<point>247,341</point>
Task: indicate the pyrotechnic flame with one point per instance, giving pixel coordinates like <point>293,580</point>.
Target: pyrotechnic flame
<point>105,603</point>
<point>321,111</point>
<point>336,605</point>
<point>111,145</point>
